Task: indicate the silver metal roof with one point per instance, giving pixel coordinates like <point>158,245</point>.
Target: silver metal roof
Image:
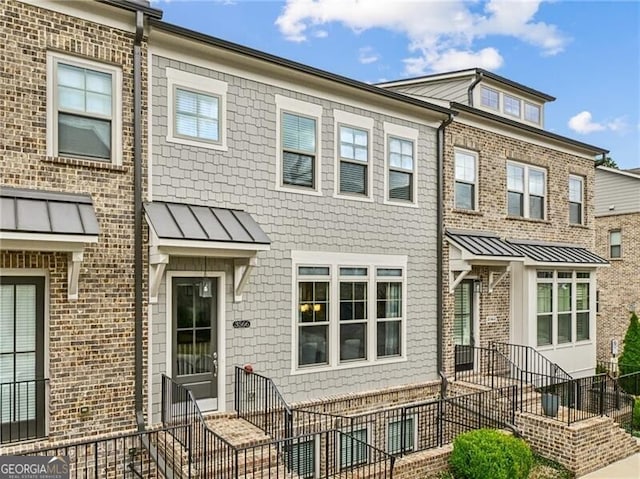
<point>556,253</point>
<point>46,212</point>
<point>203,223</point>
<point>483,243</point>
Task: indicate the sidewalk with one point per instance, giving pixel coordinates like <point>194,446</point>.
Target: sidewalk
<point>628,468</point>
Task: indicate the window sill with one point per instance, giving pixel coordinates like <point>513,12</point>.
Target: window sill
<point>579,226</point>
<point>529,220</point>
<point>362,198</point>
<point>198,144</point>
<point>299,190</point>
<point>615,259</point>
<point>349,365</point>
<point>404,204</point>
<point>79,162</point>
<point>467,212</point>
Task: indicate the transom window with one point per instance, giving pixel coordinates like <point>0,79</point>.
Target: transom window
<point>348,314</point>
<point>197,115</point>
<point>465,179</point>
<point>401,162</point>
<point>84,109</point>
<point>512,105</point>
<point>615,244</point>
<point>576,194</point>
<point>354,158</point>
<point>526,188</point>
<point>490,98</point>
<point>532,113</point>
<point>563,307</point>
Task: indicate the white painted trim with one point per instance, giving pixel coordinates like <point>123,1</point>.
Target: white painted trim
<point>526,195</point>
<point>150,365</point>
<point>291,105</point>
<point>476,184</point>
<point>182,49</point>
<point>349,259</point>
<point>581,179</point>
<point>404,133</point>
<point>97,13</point>
<point>198,84</point>
<point>415,419</point>
<point>241,273</point>
<point>221,331</point>
<point>53,58</point>
<point>343,118</point>
<point>44,241</point>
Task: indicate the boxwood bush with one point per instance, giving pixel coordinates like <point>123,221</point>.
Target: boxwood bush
<point>490,454</point>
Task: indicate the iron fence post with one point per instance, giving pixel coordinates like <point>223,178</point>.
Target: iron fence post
<point>403,442</point>
<point>439,420</point>
<point>189,449</point>
<point>493,358</point>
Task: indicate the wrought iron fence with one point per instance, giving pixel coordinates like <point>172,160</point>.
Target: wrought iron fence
<point>258,401</point>
<point>22,410</point>
<point>529,360</point>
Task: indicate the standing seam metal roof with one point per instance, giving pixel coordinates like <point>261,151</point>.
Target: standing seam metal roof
<point>47,212</point>
<point>484,244</point>
<point>557,253</point>
<point>203,223</point>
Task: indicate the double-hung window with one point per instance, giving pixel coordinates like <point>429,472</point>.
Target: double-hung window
<point>532,113</point>
<point>526,191</point>
<point>354,159</point>
<point>196,110</point>
<point>512,105</point>
<point>349,308</point>
<point>576,195</point>
<point>84,109</point>
<point>465,179</point>
<point>401,169</point>
<point>490,98</point>
<point>615,244</point>
<point>563,307</point>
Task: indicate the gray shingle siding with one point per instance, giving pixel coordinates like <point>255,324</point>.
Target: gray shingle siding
<point>244,177</point>
<point>618,191</point>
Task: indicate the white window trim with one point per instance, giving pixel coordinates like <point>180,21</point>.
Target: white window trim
<point>554,307</point>
<point>286,104</point>
<point>524,100</point>
<point>525,210</point>
<point>403,133</point>
<point>197,84</point>
<point>610,244</point>
<point>53,58</point>
<point>489,107</point>
<point>415,418</point>
<point>476,183</point>
<point>581,180</point>
<point>504,105</point>
<point>334,261</point>
<point>540,110</point>
<point>343,118</point>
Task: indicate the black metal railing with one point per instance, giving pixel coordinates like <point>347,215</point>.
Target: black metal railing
<point>529,360</point>
<point>125,455</point>
<point>418,426</point>
<point>258,401</point>
<point>483,366</point>
<point>23,410</point>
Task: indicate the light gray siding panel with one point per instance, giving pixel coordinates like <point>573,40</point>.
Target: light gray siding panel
<point>618,191</point>
<point>452,90</point>
<point>244,178</point>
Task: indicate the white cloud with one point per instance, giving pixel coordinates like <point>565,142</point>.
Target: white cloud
<point>583,123</point>
<point>439,33</point>
<point>321,34</point>
<point>368,55</point>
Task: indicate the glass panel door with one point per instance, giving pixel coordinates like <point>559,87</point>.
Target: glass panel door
<point>463,325</point>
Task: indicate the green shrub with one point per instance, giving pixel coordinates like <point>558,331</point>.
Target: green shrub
<point>490,454</point>
<point>629,360</point>
<point>636,415</point>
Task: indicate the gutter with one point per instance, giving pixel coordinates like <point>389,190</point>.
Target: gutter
<point>439,243</point>
<point>474,83</point>
<point>137,200</point>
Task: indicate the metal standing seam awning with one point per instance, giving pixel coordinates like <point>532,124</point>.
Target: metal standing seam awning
<point>35,220</point>
<point>190,230</point>
<point>487,249</point>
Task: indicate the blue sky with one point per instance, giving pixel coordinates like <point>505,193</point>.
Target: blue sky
<point>585,53</point>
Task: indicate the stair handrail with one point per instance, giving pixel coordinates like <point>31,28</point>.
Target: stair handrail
<point>537,358</point>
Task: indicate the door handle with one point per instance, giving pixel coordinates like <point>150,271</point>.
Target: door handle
<point>215,365</point>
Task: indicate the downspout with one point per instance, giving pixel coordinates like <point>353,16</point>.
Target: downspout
<point>439,245</point>
<point>137,200</point>
<point>477,80</point>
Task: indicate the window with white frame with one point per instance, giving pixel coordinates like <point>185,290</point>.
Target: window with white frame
<point>84,109</point>
<point>196,110</point>
<point>576,195</point>
<point>490,98</point>
<point>401,435</point>
<point>301,457</point>
<point>512,105</point>
<point>401,162</point>
<point>526,191</point>
<point>532,113</point>
<point>348,313</point>
<point>563,307</point>
<point>615,244</point>
<point>354,160</point>
<point>298,164</point>
<point>353,447</point>
<point>465,179</point>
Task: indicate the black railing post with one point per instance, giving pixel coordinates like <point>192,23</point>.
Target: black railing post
<point>236,394</point>
<point>189,449</point>
<point>493,358</point>
<point>403,442</point>
<point>439,420</point>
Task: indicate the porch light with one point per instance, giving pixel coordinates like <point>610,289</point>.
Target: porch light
<point>205,288</point>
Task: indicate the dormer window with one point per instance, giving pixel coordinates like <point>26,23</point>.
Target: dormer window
<point>490,98</point>
<point>512,106</point>
<point>532,113</point>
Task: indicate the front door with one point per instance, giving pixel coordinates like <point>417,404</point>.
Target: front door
<point>195,356</point>
<point>463,325</point>
<point>22,382</point>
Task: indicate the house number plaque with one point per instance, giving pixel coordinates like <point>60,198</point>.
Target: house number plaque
<point>241,324</point>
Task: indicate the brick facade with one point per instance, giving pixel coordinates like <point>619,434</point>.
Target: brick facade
<point>619,285</point>
<point>494,150</point>
<point>90,354</point>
